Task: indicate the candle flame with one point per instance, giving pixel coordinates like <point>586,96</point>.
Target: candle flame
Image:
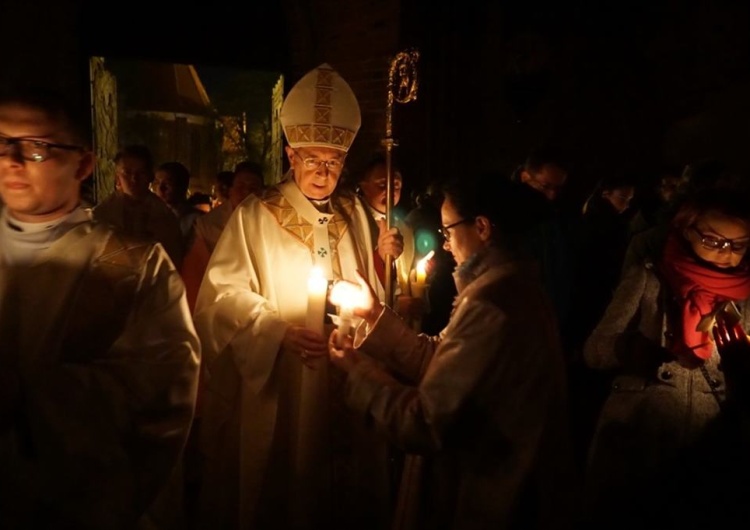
<point>316,279</point>
<point>422,264</point>
<point>346,294</point>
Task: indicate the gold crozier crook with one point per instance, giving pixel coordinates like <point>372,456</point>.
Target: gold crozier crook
<point>402,88</point>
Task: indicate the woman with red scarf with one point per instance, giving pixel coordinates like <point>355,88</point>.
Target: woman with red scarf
<point>670,388</point>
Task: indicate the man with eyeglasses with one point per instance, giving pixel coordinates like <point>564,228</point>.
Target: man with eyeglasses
<point>99,357</point>
<point>280,450</point>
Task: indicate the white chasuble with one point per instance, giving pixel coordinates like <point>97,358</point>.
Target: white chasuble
<point>255,286</point>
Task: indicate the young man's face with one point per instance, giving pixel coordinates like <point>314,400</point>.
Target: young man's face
<point>133,176</point>
<point>374,185</point>
<point>549,180</point>
<point>37,192</point>
<point>243,184</point>
<point>165,188</point>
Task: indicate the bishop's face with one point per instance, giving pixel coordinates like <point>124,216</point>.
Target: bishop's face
<point>316,170</point>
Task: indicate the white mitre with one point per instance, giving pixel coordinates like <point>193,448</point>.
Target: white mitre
<point>321,110</point>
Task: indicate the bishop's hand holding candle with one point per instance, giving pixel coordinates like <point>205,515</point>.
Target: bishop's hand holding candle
<point>309,341</point>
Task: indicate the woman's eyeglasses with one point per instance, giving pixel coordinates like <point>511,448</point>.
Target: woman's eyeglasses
<point>719,243</point>
<point>445,230</point>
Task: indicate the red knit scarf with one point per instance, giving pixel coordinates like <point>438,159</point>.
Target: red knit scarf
<point>699,289</point>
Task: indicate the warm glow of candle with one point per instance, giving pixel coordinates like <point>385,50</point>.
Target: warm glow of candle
<point>317,289</point>
<point>418,285</point>
<point>347,296</point>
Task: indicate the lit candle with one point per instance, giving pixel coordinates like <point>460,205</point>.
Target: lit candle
<point>418,286</point>
<point>347,296</point>
<point>317,289</point>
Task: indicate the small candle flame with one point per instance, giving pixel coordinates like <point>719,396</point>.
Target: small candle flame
<point>422,264</point>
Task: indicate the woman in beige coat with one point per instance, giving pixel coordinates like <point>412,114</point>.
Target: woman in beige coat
<point>482,405</point>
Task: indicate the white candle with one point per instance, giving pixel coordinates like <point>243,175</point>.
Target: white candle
<point>347,296</point>
<point>418,286</point>
<point>317,289</point>
<point>345,325</point>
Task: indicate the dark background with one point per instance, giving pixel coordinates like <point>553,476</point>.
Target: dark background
<point>618,86</point>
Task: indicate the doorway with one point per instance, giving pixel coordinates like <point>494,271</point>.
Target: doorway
<point>208,118</point>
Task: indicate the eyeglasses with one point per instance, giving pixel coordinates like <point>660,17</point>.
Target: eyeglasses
<point>32,150</point>
<point>335,165</point>
<point>445,230</point>
<point>719,243</point>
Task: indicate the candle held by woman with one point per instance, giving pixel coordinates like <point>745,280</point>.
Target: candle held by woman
<point>420,276</point>
<point>346,296</point>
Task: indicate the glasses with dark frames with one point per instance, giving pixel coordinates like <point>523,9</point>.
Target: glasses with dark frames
<point>445,230</point>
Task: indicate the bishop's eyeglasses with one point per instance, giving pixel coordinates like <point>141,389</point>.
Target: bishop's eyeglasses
<point>32,150</point>
<point>710,242</point>
<point>334,165</point>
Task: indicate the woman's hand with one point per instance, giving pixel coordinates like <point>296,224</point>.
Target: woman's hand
<point>367,306</point>
<point>345,356</point>
<point>733,345</point>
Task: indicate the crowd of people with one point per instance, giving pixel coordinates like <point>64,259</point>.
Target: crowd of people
<point>176,362</point>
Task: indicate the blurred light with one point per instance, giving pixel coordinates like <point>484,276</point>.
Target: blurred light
<point>425,241</point>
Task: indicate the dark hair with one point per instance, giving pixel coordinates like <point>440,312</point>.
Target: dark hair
<point>703,174</point>
<point>730,203</point>
<point>595,203</point>
<point>179,173</point>
<point>377,159</point>
<point>542,156</point>
<point>139,152</point>
<point>615,181</point>
<point>225,177</point>
<point>199,198</point>
<point>223,181</point>
<point>509,207</point>
<point>250,167</point>
<point>56,105</point>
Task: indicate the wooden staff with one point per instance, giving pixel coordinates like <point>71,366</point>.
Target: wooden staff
<point>402,88</point>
